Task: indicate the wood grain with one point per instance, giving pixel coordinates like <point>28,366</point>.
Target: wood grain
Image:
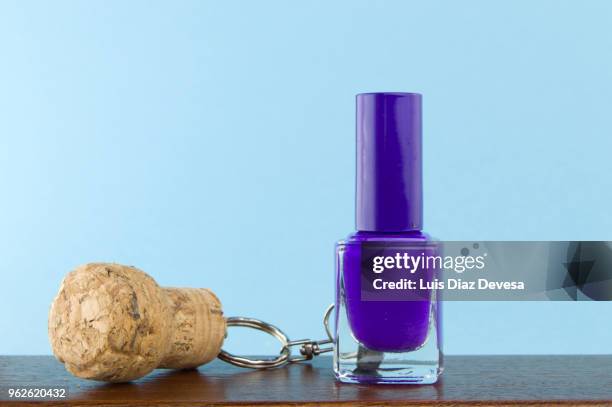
<point>467,380</point>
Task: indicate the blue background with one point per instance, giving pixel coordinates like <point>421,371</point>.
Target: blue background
<point>212,144</point>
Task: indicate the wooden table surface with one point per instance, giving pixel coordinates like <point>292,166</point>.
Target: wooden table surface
<point>467,380</point>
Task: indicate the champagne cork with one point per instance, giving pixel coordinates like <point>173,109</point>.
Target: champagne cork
<point>114,323</point>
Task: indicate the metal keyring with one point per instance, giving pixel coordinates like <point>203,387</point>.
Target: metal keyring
<point>308,348</point>
<point>280,360</point>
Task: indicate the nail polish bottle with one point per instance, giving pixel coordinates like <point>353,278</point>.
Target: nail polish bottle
<point>386,336</point>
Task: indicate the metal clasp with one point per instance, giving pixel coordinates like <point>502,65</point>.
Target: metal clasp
<point>308,348</point>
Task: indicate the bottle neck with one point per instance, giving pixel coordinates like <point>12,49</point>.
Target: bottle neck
<point>372,235</point>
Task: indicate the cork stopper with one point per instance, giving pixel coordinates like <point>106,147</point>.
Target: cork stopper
<point>114,323</point>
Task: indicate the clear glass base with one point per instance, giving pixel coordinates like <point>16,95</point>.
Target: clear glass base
<point>421,366</point>
<point>354,363</point>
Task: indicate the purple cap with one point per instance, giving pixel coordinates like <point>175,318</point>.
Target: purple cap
<point>389,165</point>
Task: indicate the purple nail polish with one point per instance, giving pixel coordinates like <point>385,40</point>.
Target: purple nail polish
<point>382,336</point>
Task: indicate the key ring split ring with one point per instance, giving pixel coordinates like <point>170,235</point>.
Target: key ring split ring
<point>308,349</point>
<point>241,361</point>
